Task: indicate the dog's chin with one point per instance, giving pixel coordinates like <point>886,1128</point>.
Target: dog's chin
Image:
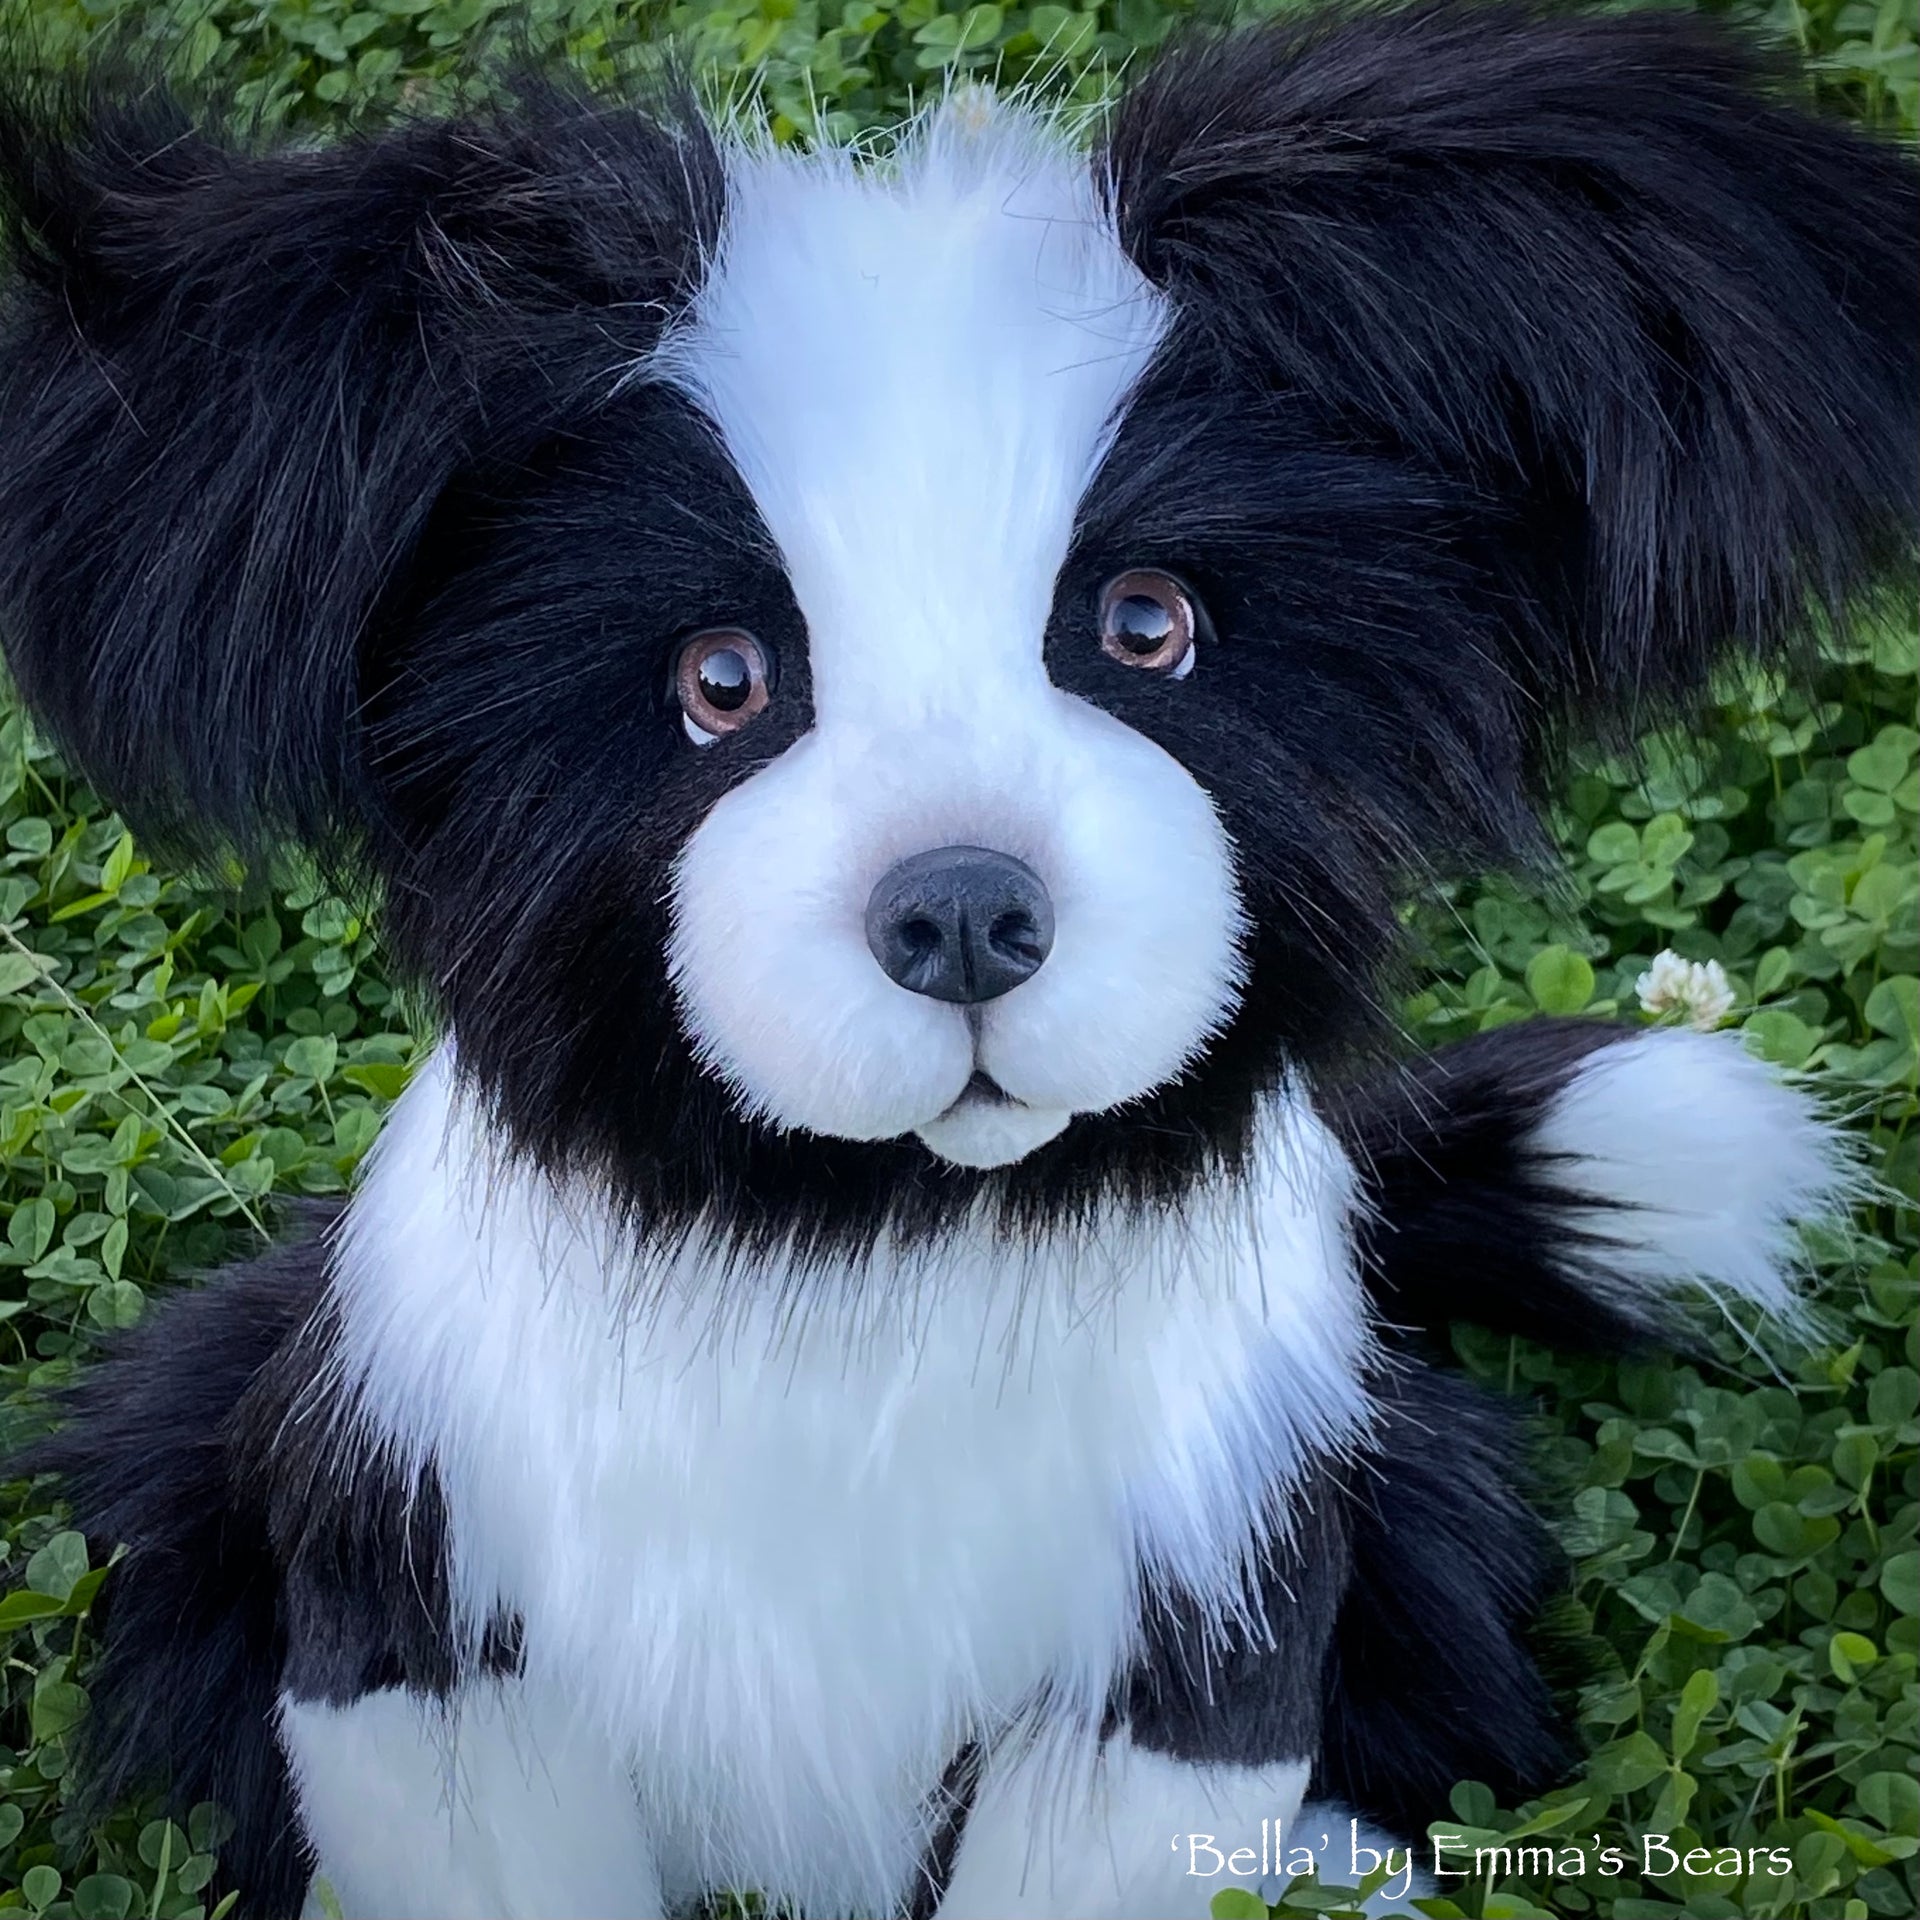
<point>985,1128</point>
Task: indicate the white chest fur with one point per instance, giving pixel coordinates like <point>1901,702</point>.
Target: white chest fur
<point>785,1546</point>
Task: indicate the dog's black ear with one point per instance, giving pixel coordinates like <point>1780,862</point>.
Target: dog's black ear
<point>1596,273</point>
<point>234,384</point>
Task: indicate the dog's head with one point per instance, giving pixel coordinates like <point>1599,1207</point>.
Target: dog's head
<point>840,668</point>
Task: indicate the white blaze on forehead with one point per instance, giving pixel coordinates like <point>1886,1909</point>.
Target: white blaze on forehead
<point>916,370</point>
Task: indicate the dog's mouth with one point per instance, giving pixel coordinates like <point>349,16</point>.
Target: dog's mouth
<point>987,1127</point>
<point>983,1090</point>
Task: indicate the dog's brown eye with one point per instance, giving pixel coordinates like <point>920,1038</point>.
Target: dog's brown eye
<point>723,680</point>
<point>1147,619</point>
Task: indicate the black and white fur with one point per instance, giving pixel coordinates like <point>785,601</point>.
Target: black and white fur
<point>718,1445</point>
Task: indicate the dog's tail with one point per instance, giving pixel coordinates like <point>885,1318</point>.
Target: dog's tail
<point>1570,1181</point>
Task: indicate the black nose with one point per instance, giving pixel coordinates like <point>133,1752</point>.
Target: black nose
<point>960,923</point>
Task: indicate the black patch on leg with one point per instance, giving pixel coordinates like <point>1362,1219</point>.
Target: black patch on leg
<point>1432,1676</point>
<point>1392,1645</point>
<point>950,1805</point>
<point>269,1549</point>
<point>360,1550</point>
<point>1249,1695</point>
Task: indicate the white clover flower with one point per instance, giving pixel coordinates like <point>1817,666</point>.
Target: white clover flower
<point>1696,991</point>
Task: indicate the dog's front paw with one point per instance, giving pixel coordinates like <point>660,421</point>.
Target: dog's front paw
<point>1144,1836</point>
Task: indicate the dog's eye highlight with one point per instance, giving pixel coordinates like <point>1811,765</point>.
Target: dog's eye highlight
<point>723,680</point>
<point>1148,619</point>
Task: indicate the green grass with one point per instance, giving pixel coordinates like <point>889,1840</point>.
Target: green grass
<point>174,1061</point>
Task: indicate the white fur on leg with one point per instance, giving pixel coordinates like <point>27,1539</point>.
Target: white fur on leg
<point>1704,1160</point>
<point>495,1810</point>
<point>1124,1836</point>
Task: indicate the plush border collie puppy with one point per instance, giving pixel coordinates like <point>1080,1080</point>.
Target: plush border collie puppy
<point>891,1356</point>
